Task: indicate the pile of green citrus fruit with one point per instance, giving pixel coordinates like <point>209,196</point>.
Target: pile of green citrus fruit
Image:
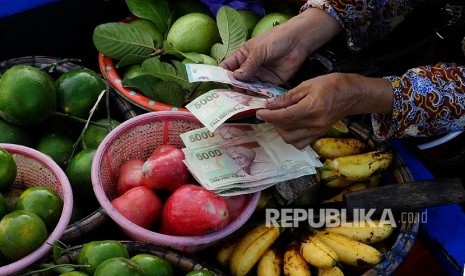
<point>26,216</point>
<point>59,115</point>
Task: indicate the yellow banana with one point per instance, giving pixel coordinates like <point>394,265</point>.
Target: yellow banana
<point>338,182</point>
<point>362,166</point>
<point>364,232</point>
<point>294,263</point>
<point>317,253</point>
<point>350,251</point>
<point>270,264</point>
<point>333,271</point>
<point>352,188</point>
<point>250,248</point>
<point>330,148</point>
<point>224,253</point>
<point>374,180</point>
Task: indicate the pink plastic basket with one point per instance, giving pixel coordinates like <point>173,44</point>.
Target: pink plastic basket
<point>34,169</point>
<point>137,138</point>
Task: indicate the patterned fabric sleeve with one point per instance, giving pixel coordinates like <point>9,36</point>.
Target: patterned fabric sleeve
<point>365,21</point>
<point>428,100</point>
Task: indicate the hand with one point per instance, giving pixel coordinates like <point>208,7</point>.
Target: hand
<point>306,112</point>
<point>277,54</point>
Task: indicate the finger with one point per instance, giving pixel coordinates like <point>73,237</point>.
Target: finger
<point>290,98</point>
<point>249,67</point>
<point>232,62</point>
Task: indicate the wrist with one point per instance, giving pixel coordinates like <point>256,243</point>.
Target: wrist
<point>372,95</point>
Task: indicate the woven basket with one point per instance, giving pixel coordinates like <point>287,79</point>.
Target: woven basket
<point>33,169</point>
<point>408,230</point>
<point>137,138</point>
<point>59,66</point>
<point>181,262</point>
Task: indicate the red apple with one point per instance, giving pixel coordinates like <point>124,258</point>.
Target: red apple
<point>236,205</point>
<point>165,170</point>
<point>193,210</point>
<point>130,175</point>
<point>139,205</point>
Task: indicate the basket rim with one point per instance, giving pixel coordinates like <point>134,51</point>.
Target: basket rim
<point>65,214</point>
<point>188,241</point>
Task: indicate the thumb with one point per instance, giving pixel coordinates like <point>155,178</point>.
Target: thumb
<point>248,68</point>
<point>287,99</point>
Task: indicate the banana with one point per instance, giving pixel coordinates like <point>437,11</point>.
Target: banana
<point>350,251</point>
<point>250,248</point>
<point>317,253</point>
<point>294,263</point>
<point>364,232</point>
<point>224,253</point>
<point>362,166</point>
<point>352,188</point>
<point>333,271</point>
<point>374,180</point>
<point>270,264</point>
<point>330,148</point>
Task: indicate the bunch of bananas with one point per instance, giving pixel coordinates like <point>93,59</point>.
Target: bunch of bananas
<point>325,251</point>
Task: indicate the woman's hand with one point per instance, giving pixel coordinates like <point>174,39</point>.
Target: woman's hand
<point>306,112</point>
<point>276,55</point>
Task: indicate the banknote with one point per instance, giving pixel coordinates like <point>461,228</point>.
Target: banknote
<point>216,106</point>
<point>204,72</point>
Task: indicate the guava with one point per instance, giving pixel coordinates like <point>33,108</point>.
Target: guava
<point>269,21</point>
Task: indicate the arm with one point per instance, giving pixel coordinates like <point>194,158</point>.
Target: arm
<point>365,21</point>
<point>428,100</point>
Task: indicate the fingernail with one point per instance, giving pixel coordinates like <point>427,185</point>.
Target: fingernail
<point>240,71</point>
<point>270,100</point>
<point>258,116</point>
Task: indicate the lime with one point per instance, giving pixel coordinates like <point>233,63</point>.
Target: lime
<point>8,169</point>
<point>250,19</point>
<point>132,71</point>
<point>74,273</point>
<point>339,129</point>
<point>193,32</point>
<point>59,147</point>
<point>96,252</point>
<point>269,21</point>
<point>77,91</point>
<point>153,265</point>
<point>27,95</point>
<point>21,232</point>
<point>78,172</point>
<point>43,201</point>
<point>150,28</point>
<point>13,134</point>
<point>95,134</point>
<point>119,267</point>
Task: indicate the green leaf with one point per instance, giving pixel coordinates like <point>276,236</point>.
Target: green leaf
<point>233,33</point>
<point>172,72</point>
<point>130,60</point>
<point>157,11</point>
<point>167,92</point>
<point>117,40</point>
<point>143,83</point>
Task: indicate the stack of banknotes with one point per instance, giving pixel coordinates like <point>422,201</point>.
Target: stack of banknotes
<point>237,158</point>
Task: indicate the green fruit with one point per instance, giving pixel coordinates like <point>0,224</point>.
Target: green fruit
<point>44,202</point>
<point>77,91</point>
<point>193,32</point>
<point>21,232</point>
<point>27,95</point>
<point>133,71</point>
<point>11,198</point>
<point>200,272</point>
<point>13,134</point>
<point>79,173</point>
<point>250,19</point>
<point>153,265</point>
<point>339,129</point>
<point>95,134</point>
<point>119,267</point>
<point>96,252</point>
<point>269,21</point>
<point>74,273</point>
<point>8,169</point>
<point>148,26</point>
<point>59,147</point>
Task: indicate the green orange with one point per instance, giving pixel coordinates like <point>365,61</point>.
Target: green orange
<point>79,173</point>
<point>27,95</point>
<point>21,232</point>
<point>153,265</point>
<point>13,134</point>
<point>94,253</point>
<point>58,146</point>
<point>77,91</point>
<point>119,267</point>
<point>96,133</point>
